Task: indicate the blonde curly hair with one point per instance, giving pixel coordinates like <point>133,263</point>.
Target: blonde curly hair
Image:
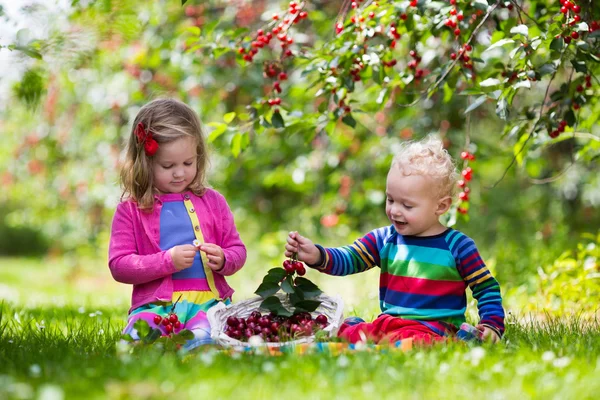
<point>429,158</point>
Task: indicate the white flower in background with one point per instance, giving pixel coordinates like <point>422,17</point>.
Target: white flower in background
<point>35,370</point>
<point>548,356</point>
<point>561,362</point>
<point>268,367</point>
<point>51,392</point>
<point>343,361</point>
<point>208,357</point>
<point>476,354</point>
<point>444,367</point>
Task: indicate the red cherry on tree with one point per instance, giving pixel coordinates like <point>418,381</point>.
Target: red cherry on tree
<point>169,328</point>
<point>321,319</point>
<point>467,173</point>
<point>157,319</point>
<point>177,325</point>
<point>173,318</point>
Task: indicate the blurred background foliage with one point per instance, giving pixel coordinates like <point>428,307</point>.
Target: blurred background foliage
<point>68,114</point>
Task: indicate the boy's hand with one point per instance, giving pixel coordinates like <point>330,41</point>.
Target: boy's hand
<point>214,254</point>
<point>183,256</point>
<point>307,251</point>
<point>488,334</point>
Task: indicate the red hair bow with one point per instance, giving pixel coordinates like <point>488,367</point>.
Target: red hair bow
<point>145,137</point>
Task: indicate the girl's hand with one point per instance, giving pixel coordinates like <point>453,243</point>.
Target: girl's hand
<point>307,251</point>
<point>488,334</point>
<point>183,256</point>
<point>214,254</point>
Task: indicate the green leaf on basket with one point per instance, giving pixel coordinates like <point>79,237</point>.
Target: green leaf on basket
<point>142,328</point>
<point>308,288</point>
<point>267,289</point>
<point>275,275</point>
<point>287,285</point>
<point>274,305</point>
<point>296,297</point>
<point>307,305</point>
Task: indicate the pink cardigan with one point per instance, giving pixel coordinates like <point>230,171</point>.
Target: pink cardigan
<point>134,255</point>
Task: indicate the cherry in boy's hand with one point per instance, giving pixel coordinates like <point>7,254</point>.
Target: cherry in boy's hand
<point>304,247</point>
<point>183,256</point>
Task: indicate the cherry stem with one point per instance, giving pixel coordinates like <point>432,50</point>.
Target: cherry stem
<point>174,304</point>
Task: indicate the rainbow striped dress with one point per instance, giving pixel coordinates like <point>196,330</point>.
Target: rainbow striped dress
<point>422,278</point>
<point>192,296</point>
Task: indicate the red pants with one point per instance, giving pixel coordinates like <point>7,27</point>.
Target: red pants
<point>387,328</point>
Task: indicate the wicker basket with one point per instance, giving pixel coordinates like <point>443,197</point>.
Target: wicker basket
<point>332,307</point>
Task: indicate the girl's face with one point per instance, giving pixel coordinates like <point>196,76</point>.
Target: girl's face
<point>174,166</point>
<point>412,204</point>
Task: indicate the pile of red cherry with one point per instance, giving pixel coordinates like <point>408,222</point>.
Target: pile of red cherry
<point>274,328</point>
<point>171,322</point>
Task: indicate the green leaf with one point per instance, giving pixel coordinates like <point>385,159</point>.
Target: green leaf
<point>28,50</point>
<point>448,93</point>
<point>382,95</point>
<point>127,337</point>
<point>520,30</point>
<point>277,120</point>
<point>546,69</point>
<point>307,305</point>
<point>267,289</point>
<point>502,109</point>
<point>152,336</point>
<point>518,148</point>
<point>220,128</point>
<point>142,328</point>
<point>557,44</point>
<point>274,305</point>
<point>308,288</point>
<point>579,66</point>
<point>236,145</point>
<point>287,286</point>
<point>479,101</point>
<point>275,275</point>
<point>499,43</point>
<point>229,117</point>
<point>349,120</point>
<point>490,82</point>
<point>296,296</point>
<point>481,5</point>
<point>570,118</point>
<point>185,334</point>
<point>194,30</point>
<point>183,2</point>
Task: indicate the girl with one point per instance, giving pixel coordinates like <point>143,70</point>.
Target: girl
<point>172,237</point>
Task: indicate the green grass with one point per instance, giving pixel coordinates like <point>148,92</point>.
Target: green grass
<point>63,344</point>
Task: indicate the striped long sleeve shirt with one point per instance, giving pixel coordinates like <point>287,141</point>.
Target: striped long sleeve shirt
<point>422,278</point>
